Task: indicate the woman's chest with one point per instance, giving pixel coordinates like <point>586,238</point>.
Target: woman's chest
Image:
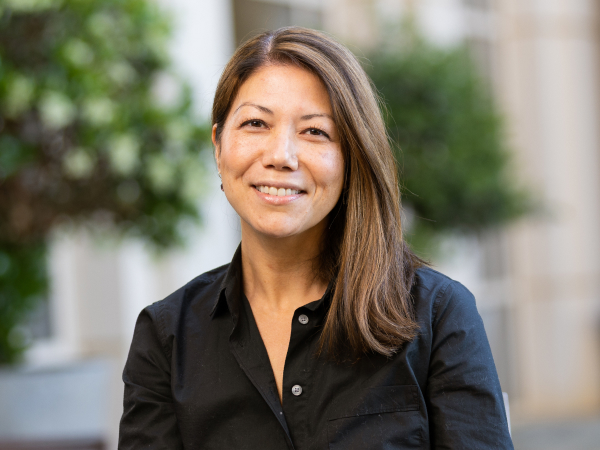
<point>230,399</point>
<point>274,331</point>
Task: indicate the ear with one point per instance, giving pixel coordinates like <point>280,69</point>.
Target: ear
<point>217,147</point>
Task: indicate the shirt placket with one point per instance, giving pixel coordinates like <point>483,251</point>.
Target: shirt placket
<point>299,365</point>
<point>253,360</point>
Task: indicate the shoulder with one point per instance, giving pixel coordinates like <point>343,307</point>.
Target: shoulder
<point>198,295</point>
<point>436,295</point>
<point>459,379</point>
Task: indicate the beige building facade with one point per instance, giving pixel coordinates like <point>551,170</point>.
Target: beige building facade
<point>548,81</point>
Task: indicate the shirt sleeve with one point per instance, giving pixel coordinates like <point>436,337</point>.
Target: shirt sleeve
<point>465,403</point>
<point>148,420</point>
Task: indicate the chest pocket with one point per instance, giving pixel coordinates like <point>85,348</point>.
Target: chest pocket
<point>382,418</point>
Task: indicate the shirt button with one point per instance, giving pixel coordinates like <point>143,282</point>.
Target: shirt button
<point>297,390</point>
<point>303,319</point>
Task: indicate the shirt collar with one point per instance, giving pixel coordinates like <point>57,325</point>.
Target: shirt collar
<point>324,301</point>
<point>231,287</point>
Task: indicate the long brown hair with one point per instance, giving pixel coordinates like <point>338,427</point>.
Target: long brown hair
<point>373,268</point>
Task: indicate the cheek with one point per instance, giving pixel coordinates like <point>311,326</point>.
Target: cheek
<point>330,166</point>
<point>236,155</point>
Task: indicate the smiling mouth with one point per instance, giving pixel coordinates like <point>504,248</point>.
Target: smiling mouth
<point>279,192</point>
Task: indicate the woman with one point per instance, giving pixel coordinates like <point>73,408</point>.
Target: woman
<point>325,331</point>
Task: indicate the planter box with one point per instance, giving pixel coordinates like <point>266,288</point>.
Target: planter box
<point>55,445</point>
<point>55,408</point>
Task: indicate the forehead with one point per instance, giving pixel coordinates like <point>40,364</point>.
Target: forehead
<point>286,88</point>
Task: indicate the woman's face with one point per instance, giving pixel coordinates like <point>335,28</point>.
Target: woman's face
<point>279,155</point>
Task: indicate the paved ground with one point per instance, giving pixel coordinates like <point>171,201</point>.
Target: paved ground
<point>582,434</point>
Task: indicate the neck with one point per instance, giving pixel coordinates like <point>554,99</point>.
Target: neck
<point>278,273</point>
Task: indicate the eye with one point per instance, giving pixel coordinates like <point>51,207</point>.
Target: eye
<point>316,132</point>
<point>253,123</point>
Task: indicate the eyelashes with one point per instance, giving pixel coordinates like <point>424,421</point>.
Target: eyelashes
<point>259,123</point>
<point>254,122</point>
<point>319,131</point>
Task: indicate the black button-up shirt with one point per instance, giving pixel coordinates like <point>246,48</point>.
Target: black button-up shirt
<point>198,377</point>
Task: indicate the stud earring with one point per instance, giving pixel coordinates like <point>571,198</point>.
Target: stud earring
<point>221,183</point>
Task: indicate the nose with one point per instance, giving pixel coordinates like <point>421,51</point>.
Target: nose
<point>281,151</point>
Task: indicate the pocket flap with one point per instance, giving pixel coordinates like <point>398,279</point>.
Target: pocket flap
<point>378,400</point>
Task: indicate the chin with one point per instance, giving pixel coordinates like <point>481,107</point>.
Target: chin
<point>275,229</point>
<point>281,226</point>
<point>279,232</point>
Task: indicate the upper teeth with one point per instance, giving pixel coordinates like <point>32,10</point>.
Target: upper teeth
<point>277,191</point>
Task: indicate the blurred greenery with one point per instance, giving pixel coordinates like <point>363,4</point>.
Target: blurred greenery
<point>449,139</point>
<point>23,282</point>
<point>94,128</point>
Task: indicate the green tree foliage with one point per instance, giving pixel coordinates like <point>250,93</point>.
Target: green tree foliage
<point>85,136</point>
<point>23,282</point>
<point>449,141</point>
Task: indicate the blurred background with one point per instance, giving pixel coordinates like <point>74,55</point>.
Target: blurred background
<point>109,197</point>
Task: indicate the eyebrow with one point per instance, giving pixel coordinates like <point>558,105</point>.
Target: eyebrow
<point>262,108</point>
<point>268,111</point>
<point>310,116</point>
